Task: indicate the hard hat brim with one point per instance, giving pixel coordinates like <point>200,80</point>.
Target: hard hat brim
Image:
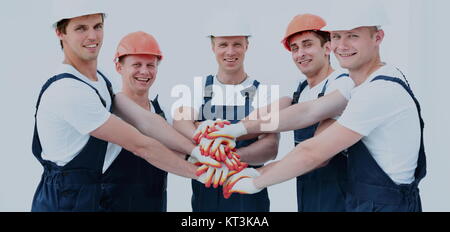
<point>160,57</point>
<point>54,25</point>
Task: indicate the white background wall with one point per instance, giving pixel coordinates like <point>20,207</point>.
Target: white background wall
<point>416,42</point>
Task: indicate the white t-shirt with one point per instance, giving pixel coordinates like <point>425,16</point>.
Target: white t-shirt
<point>385,114</point>
<point>227,95</point>
<point>343,84</point>
<point>68,112</point>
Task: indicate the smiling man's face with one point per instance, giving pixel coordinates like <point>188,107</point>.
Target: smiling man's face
<point>355,48</point>
<point>83,37</point>
<point>230,52</point>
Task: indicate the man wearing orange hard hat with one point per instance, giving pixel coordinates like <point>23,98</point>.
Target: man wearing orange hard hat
<point>138,185</point>
<point>320,190</point>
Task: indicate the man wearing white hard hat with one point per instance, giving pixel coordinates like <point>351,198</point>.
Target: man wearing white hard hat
<point>380,130</point>
<point>230,95</point>
<point>75,134</point>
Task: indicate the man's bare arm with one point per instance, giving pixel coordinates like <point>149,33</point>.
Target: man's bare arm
<point>261,151</point>
<point>184,121</point>
<point>151,124</point>
<point>300,115</point>
<point>119,132</point>
<point>308,155</point>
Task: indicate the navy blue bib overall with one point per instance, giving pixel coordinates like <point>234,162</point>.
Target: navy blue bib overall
<point>211,199</point>
<point>135,185</point>
<point>321,190</point>
<point>370,189</point>
<point>77,185</point>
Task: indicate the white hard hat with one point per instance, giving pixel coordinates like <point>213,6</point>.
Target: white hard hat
<point>227,23</point>
<point>351,14</point>
<point>67,9</point>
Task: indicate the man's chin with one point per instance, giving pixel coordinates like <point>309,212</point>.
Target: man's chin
<point>91,57</point>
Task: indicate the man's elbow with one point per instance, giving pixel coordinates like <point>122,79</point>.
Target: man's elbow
<point>308,158</point>
<point>145,148</point>
<point>273,152</point>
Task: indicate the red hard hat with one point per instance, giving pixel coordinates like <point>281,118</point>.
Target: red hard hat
<point>138,43</point>
<point>304,22</point>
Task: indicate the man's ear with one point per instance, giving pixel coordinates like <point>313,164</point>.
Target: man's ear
<point>379,36</point>
<point>327,47</point>
<point>59,34</point>
<point>118,67</point>
<point>212,44</point>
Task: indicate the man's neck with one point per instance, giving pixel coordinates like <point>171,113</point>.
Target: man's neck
<point>318,77</point>
<point>87,68</point>
<point>361,74</point>
<point>139,98</point>
<point>232,78</point>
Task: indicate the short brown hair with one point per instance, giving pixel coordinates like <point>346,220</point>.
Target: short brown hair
<point>323,36</point>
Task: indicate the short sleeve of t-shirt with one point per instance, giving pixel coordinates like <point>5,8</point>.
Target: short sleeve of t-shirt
<point>77,104</point>
<point>343,84</point>
<point>372,105</point>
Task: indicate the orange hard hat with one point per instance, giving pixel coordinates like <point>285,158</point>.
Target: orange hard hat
<point>304,22</point>
<point>138,43</point>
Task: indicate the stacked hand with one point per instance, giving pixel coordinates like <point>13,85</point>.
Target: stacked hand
<point>241,182</point>
<point>217,140</point>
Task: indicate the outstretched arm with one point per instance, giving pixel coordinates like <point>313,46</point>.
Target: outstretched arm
<point>261,151</point>
<point>308,155</point>
<point>151,124</point>
<point>184,121</point>
<point>119,132</point>
<point>299,115</point>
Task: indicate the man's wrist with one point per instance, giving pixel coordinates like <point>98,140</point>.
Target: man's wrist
<point>256,183</point>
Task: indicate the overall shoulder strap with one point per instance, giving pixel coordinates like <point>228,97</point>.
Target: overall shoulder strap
<point>157,107</point>
<point>250,92</point>
<point>421,162</point>
<point>342,75</point>
<point>209,88</point>
<point>324,88</point>
<point>300,88</point>
<point>108,84</point>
